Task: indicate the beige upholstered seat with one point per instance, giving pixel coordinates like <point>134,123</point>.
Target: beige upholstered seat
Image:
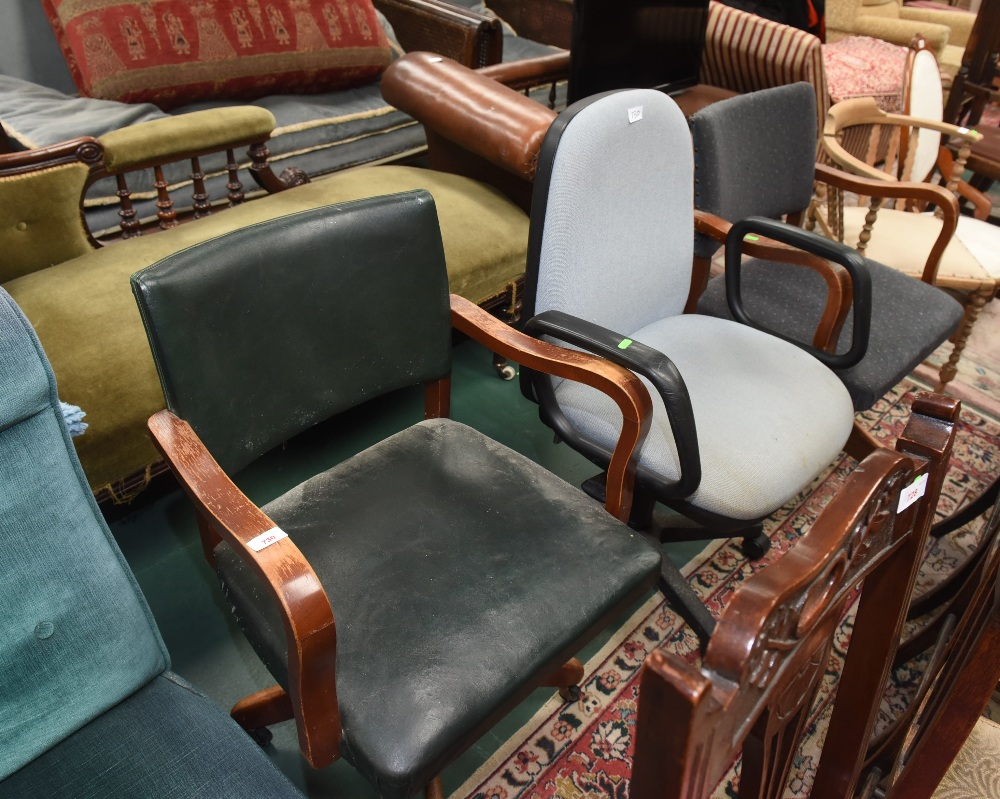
<point>940,247</point>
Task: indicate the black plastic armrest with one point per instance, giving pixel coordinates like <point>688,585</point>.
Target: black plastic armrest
<point>651,364</point>
<point>817,245</point>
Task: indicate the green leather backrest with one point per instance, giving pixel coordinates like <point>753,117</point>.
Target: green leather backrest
<point>76,636</point>
<point>263,332</point>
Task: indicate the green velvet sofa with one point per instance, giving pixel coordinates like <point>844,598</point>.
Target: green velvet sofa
<point>76,293</point>
<point>61,157</point>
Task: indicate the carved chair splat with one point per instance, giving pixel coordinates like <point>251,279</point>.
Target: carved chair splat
<point>770,649</point>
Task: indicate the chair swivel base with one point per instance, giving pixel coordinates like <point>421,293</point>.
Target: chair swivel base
<point>754,544</point>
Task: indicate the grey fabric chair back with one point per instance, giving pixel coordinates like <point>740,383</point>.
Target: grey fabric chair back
<point>76,636</point>
<point>611,222</point>
<point>755,155</point>
<point>329,317</point>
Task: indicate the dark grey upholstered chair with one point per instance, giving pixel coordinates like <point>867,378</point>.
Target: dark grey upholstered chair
<point>742,420</point>
<point>756,154</point>
<point>428,583</point>
<point>88,707</point>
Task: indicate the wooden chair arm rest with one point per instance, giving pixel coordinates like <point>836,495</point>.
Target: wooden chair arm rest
<point>529,72</point>
<point>627,391</point>
<point>310,628</point>
<point>839,295</point>
<point>469,110</point>
<point>469,37</point>
<point>885,186</point>
<point>546,21</point>
<point>889,188</point>
<point>864,111</point>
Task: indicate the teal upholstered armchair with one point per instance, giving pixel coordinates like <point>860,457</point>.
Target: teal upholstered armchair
<point>88,706</point>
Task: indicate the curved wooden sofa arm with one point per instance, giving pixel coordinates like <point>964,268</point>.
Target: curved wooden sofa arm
<point>310,629</point>
<point>469,37</point>
<point>839,294</point>
<point>627,391</point>
<point>475,126</point>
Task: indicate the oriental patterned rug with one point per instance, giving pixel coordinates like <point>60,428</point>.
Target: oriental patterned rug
<point>583,750</point>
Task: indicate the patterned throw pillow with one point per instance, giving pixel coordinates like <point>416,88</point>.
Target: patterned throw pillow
<point>176,52</point>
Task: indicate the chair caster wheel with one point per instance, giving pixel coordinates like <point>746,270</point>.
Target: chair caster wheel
<point>262,736</point>
<point>504,370</point>
<point>570,693</point>
<point>755,547</point>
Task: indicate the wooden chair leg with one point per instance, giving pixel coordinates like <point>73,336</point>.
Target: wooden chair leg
<point>434,789</point>
<point>567,679</point>
<point>270,706</point>
<point>973,307</point>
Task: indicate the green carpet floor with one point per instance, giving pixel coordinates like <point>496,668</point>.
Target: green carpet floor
<point>161,543</point>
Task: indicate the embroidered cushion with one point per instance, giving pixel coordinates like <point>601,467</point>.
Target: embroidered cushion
<point>175,52</point>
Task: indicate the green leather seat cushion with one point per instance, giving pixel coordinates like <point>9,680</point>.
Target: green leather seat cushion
<point>87,320</point>
<point>431,651</point>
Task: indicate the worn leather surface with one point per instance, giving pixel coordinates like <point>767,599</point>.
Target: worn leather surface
<point>460,573</point>
<point>265,331</point>
<point>478,113</point>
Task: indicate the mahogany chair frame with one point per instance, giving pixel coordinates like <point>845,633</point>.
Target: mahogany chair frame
<point>226,514</point>
<point>763,666</point>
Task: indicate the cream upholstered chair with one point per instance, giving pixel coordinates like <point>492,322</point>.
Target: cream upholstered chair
<point>957,253</point>
<point>946,31</point>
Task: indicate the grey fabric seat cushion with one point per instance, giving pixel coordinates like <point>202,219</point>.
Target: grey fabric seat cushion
<point>165,741</point>
<point>457,571</point>
<point>910,319</point>
<point>769,416</point>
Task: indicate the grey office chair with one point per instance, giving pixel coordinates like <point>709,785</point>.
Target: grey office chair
<point>756,154</point>
<point>743,421</point>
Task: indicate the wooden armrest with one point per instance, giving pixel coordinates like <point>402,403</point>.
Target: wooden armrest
<point>864,111</point>
<point>470,38</point>
<point>888,187</point>
<point>627,391</point>
<point>546,21</point>
<point>839,293</point>
<point>310,629</point>
<point>529,72</point>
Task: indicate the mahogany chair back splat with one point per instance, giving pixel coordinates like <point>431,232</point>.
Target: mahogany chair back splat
<point>764,664</point>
